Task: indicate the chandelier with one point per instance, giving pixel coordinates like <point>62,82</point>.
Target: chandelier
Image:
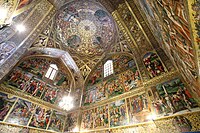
<point>66,103</point>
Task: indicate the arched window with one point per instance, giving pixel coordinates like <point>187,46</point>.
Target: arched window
<point>52,71</point>
<point>108,68</point>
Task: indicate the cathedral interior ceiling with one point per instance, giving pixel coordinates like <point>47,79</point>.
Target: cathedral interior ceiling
<point>88,32</point>
<point>151,46</point>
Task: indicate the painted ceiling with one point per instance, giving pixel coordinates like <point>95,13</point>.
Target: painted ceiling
<point>85,28</point>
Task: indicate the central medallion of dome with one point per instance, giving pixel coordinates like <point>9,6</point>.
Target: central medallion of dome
<point>85,27</point>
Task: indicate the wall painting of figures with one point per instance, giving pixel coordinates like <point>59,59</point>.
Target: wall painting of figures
<point>40,117</point>
<point>6,102</point>
<point>118,113</point>
<point>96,76</point>
<point>90,96</point>
<point>153,64</point>
<point>139,109</point>
<point>36,66</point>
<point>28,77</point>
<point>172,18</point>
<point>182,123</point>
<point>113,86</point>
<point>57,121</point>
<point>101,117</point>
<point>131,79</point>
<point>71,122</point>
<point>21,113</point>
<point>17,79</point>
<point>62,80</point>
<point>34,87</point>
<point>152,18</point>
<point>50,94</point>
<point>6,49</point>
<point>122,63</point>
<point>94,94</point>
<point>172,97</point>
<point>39,66</point>
<point>87,119</point>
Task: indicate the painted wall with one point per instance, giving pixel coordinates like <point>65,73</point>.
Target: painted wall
<point>170,21</point>
<point>122,99</point>
<point>29,78</point>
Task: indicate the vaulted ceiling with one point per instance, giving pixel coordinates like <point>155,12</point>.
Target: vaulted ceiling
<point>90,30</point>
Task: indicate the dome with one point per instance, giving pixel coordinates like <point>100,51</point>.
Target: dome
<point>85,27</point>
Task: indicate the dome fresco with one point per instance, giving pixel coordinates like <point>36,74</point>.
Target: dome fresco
<point>85,27</point>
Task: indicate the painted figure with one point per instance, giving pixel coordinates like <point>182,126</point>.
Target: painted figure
<point>87,119</point>
<point>172,97</point>
<point>37,66</point>
<point>40,118</point>
<point>118,113</point>
<point>131,79</point>
<point>122,63</point>
<point>182,123</point>
<point>50,94</point>
<point>71,122</point>
<point>101,117</point>
<point>96,75</point>
<point>21,113</point>
<point>113,87</point>
<point>57,122</point>
<point>153,64</point>
<point>6,103</point>
<point>138,108</point>
<point>18,79</point>
<point>6,49</point>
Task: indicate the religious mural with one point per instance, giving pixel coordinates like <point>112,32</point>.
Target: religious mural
<point>94,94</point>
<point>92,24</point>
<point>126,77</point>
<point>131,79</point>
<point>41,117</point>
<point>50,94</point>
<point>24,113</point>
<point>21,113</point>
<point>7,102</point>
<point>29,77</point>
<point>118,113</point>
<point>6,49</point>
<point>37,66</point>
<point>171,97</point>
<point>71,122</point>
<point>87,119</point>
<point>101,117</point>
<point>114,87</point>
<point>152,18</point>
<point>57,121</point>
<point>122,63</point>
<point>171,17</point>
<point>153,64</point>
<point>34,87</point>
<point>97,75</point>
<point>182,123</point>
<point>18,79</point>
<point>139,108</point>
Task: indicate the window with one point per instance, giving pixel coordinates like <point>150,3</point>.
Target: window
<point>108,68</point>
<point>52,71</point>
